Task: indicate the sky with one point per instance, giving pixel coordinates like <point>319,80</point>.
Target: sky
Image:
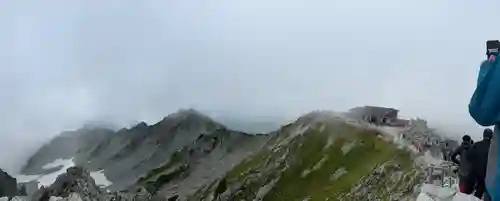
<point>66,62</point>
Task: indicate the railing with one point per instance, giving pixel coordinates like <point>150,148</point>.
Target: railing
<point>442,175</point>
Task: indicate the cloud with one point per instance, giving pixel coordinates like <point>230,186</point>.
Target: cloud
<point>67,62</point>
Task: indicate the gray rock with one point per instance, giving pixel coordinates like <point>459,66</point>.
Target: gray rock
<point>72,197</point>
<point>77,185</point>
<point>8,185</point>
<point>173,198</point>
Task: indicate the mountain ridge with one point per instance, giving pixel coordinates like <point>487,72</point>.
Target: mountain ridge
<point>102,148</point>
<point>193,157</point>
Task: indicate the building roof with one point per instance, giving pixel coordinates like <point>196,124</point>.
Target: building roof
<point>372,110</point>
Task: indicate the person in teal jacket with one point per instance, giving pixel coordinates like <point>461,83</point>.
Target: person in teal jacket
<point>484,107</point>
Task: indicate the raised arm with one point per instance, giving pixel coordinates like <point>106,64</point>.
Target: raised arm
<point>484,106</point>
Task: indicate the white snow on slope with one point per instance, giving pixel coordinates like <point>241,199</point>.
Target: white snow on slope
<point>48,179</point>
<point>100,179</point>
<point>59,162</point>
<point>431,192</point>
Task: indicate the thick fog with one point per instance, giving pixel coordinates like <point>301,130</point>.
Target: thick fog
<point>63,63</point>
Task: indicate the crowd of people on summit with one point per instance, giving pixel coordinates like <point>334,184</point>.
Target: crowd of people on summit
<point>479,163</point>
<point>472,159</point>
<point>481,160</point>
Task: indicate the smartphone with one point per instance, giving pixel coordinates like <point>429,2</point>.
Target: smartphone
<point>492,48</point>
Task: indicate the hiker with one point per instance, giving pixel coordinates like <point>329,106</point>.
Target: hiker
<point>466,181</point>
<point>22,190</point>
<point>445,151</point>
<point>478,157</point>
<point>483,108</point>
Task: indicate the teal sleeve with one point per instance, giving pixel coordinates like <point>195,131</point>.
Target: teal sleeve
<point>484,105</point>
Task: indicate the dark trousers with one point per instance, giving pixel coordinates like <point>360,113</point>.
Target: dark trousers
<point>466,184</point>
<point>480,188</point>
<point>487,197</point>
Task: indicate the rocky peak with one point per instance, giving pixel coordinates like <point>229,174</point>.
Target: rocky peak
<point>186,113</point>
<point>188,118</point>
<point>141,126</point>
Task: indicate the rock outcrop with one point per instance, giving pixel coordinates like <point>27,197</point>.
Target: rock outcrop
<point>425,139</point>
<point>389,181</point>
<point>8,185</point>
<point>77,184</point>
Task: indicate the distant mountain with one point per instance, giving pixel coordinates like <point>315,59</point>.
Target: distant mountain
<point>250,124</point>
<point>130,152</point>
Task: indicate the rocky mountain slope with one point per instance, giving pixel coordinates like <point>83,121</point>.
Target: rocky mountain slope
<point>188,156</point>
<point>320,157</point>
<point>132,152</point>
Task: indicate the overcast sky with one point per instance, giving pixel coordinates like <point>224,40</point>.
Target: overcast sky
<point>64,62</point>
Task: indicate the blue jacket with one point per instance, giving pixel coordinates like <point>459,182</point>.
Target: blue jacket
<point>484,107</point>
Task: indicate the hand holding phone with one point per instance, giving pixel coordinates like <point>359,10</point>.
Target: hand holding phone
<point>492,49</point>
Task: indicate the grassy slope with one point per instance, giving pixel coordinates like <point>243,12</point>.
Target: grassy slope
<point>305,151</point>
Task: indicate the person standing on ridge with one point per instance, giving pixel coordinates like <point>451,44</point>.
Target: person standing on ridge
<point>478,157</point>
<point>445,151</point>
<point>465,179</point>
<point>484,108</point>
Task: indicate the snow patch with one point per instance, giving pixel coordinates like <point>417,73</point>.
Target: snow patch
<point>431,192</point>
<point>26,178</point>
<point>49,179</point>
<point>100,179</point>
<point>20,198</point>
<point>58,162</point>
